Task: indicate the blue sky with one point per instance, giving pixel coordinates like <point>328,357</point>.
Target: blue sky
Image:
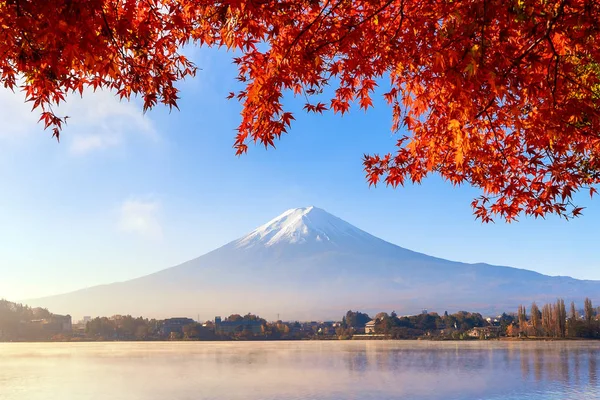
<point>126,194</point>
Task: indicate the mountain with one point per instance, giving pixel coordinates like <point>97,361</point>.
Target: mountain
<point>309,264</point>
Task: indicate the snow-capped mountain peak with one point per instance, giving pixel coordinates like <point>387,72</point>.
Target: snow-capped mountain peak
<point>301,226</point>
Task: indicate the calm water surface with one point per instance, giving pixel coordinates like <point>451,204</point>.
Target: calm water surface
<point>300,371</point>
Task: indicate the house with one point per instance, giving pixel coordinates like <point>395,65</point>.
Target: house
<point>370,326</point>
<point>237,326</point>
<point>485,332</point>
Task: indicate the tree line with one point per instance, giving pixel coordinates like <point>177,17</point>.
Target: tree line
<point>131,328</point>
<point>553,320</point>
<point>12,315</point>
<point>430,325</point>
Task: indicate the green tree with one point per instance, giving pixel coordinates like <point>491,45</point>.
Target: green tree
<point>234,318</point>
<point>9,321</point>
<point>101,328</point>
<point>356,319</point>
<point>506,320</point>
<point>252,317</point>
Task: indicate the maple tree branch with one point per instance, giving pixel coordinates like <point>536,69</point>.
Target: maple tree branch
<point>486,108</point>
<point>576,83</point>
<point>401,23</point>
<point>110,34</point>
<point>529,49</point>
<point>369,17</point>
<point>36,51</point>
<point>494,134</point>
<point>352,27</point>
<point>549,26</point>
<point>556,59</point>
<point>483,25</point>
<point>303,31</point>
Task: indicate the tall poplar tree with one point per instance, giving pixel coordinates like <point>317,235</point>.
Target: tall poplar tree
<point>588,310</point>
<point>561,318</point>
<point>572,319</point>
<point>535,319</point>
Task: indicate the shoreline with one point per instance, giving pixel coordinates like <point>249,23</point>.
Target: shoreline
<point>333,339</point>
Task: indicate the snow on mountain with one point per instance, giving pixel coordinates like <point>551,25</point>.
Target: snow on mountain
<point>303,226</point>
<point>309,264</point>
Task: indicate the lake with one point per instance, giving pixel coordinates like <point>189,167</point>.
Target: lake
<point>323,370</point>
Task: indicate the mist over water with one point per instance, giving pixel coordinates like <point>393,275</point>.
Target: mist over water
<point>300,370</point>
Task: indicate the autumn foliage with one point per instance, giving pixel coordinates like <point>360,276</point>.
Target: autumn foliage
<point>499,94</point>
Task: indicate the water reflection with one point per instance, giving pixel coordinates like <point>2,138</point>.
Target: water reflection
<point>300,370</point>
<point>593,368</point>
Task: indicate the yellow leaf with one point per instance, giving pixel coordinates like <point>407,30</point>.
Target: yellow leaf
<point>454,125</point>
<point>459,156</point>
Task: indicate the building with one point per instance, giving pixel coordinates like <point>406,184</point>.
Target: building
<point>174,325</point>
<point>85,320</point>
<point>225,327</point>
<point>79,329</point>
<point>57,324</point>
<point>485,332</point>
<point>53,325</point>
<point>370,327</point>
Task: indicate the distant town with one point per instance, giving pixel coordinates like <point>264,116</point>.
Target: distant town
<point>551,321</point>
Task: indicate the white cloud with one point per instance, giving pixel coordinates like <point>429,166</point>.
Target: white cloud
<point>82,144</point>
<point>141,217</point>
<point>98,121</point>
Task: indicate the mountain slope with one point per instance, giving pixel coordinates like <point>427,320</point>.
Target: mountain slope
<point>309,264</point>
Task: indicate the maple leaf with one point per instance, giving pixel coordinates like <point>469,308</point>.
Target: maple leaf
<point>500,96</point>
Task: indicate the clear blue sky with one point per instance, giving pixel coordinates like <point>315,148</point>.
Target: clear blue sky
<point>124,195</point>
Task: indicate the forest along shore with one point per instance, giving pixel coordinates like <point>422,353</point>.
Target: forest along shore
<point>20,323</point>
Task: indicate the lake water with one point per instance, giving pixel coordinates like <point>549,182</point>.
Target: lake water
<point>364,370</point>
